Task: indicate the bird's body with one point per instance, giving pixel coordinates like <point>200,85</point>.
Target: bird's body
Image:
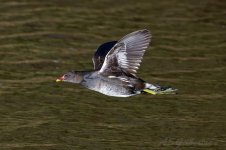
<point>115,66</point>
<point>121,86</point>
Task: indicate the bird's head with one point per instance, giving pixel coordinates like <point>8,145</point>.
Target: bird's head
<point>71,76</point>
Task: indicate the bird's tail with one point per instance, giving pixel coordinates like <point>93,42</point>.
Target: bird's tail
<point>159,90</point>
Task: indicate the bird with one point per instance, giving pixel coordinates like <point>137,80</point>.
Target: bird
<point>115,68</point>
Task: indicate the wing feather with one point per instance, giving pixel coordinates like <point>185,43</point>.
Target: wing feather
<point>101,52</point>
<point>127,53</point>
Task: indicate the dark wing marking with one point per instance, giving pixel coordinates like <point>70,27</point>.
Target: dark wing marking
<point>127,54</point>
<point>101,52</point>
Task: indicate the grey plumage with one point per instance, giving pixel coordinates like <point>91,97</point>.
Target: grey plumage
<point>115,68</point>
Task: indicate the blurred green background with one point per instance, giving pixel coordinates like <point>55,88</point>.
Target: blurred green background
<point>41,40</point>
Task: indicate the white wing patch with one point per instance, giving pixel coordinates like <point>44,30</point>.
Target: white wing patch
<point>122,56</point>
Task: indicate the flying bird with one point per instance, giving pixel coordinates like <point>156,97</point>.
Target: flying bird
<point>115,67</point>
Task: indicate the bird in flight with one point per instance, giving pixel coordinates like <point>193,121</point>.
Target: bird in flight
<point>115,67</point>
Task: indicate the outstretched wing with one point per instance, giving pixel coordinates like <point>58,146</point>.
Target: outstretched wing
<point>99,56</point>
<point>127,53</point>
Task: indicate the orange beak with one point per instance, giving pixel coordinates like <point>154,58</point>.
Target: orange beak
<point>60,79</point>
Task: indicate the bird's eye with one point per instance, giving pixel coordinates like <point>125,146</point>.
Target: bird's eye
<point>66,75</point>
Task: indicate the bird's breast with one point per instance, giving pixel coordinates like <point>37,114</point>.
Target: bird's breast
<point>108,86</point>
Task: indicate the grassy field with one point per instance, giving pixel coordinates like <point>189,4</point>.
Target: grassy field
<point>41,40</point>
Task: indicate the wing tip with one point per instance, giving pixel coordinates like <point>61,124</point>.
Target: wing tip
<point>145,31</point>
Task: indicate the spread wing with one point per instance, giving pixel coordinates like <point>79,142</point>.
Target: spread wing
<point>127,54</point>
<point>99,56</point>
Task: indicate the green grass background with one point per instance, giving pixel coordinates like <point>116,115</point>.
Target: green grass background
<point>40,40</point>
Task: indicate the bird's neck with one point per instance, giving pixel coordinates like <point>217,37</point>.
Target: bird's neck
<point>79,76</point>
